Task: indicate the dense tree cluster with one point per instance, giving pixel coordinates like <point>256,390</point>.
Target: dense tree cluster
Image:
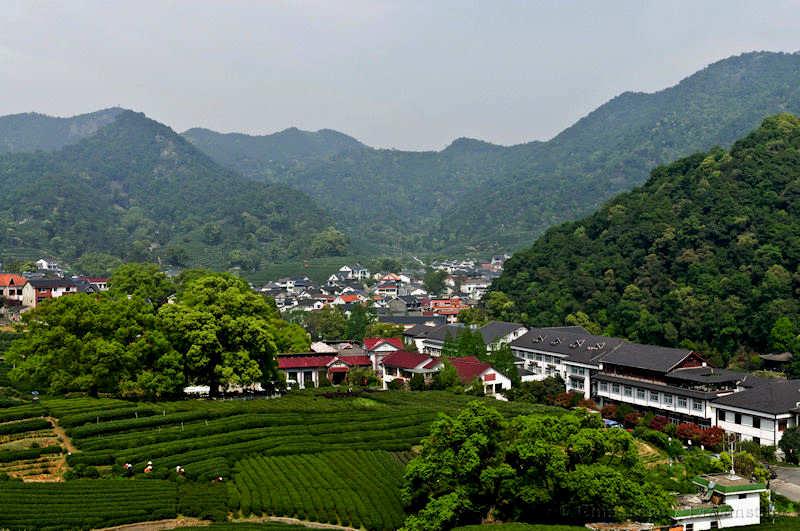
<point>479,466</point>
<point>149,337</point>
<point>706,254</point>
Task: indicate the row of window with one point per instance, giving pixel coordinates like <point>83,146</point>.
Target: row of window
<point>654,396</point>
<point>544,358</point>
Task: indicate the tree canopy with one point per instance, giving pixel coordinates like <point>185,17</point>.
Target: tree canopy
<point>132,342</point>
<point>478,466</point>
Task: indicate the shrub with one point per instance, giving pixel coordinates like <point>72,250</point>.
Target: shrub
<point>688,431</point>
<point>658,422</point>
<point>712,437</point>
<point>609,411</point>
<point>417,382</point>
<point>396,385</point>
<point>632,419</point>
<point>587,403</point>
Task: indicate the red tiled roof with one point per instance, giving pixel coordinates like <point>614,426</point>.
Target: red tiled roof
<point>339,369</point>
<point>10,279</point>
<point>404,360</point>
<point>349,298</point>
<point>371,342</point>
<point>355,361</point>
<point>303,362</point>
<point>468,367</point>
<point>431,364</point>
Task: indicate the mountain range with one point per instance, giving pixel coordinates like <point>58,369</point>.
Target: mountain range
<point>120,184</point>
<point>297,194</point>
<point>479,197</point>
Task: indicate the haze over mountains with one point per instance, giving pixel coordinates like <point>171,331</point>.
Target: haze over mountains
<point>283,193</point>
<point>478,196</point>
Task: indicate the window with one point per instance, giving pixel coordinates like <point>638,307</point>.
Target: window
<point>628,390</point>
<point>742,496</point>
<point>653,396</point>
<point>782,425</point>
<point>737,418</point>
<point>682,402</point>
<point>668,399</point>
<point>689,527</point>
<point>697,405</point>
<point>615,388</point>
<point>714,524</point>
<point>757,422</point>
<point>720,415</point>
<point>603,386</point>
<point>757,440</point>
<point>640,394</point>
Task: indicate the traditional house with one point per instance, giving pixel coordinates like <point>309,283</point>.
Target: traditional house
<point>402,365</point>
<point>409,321</point>
<point>38,290</point>
<point>308,370</point>
<point>379,347</point>
<point>48,266</point>
<point>405,305</point>
<point>471,369</point>
<point>11,286</point>
<point>388,288</point>
<point>348,298</point>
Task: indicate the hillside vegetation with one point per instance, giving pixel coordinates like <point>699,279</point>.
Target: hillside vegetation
<point>481,197</point>
<point>705,253</point>
<point>138,191</point>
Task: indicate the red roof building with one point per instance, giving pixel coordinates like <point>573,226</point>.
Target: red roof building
<point>11,286</point>
<point>371,343</point>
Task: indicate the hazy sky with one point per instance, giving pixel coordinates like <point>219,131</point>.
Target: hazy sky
<point>402,74</point>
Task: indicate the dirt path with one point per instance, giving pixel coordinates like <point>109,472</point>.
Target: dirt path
<point>159,525</point>
<point>59,431</point>
<point>293,521</point>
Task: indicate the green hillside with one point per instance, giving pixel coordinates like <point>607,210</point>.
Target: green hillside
<point>32,131</point>
<point>706,251</point>
<point>137,190</point>
<point>481,197</point>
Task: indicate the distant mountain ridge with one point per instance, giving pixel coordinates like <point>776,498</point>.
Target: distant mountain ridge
<point>479,197</point>
<point>254,155</point>
<point>137,190</point>
<point>33,131</point>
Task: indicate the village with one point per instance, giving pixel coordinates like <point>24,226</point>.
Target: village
<point>677,385</point>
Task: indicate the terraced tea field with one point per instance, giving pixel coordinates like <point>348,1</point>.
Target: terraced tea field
<point>331,459</point>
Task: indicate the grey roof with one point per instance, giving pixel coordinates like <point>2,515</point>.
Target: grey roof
<point>572,341</point>
<point>709,375</point>
<point>671,389</point>
<point>412,319</point>
<point>647,357</point>
<point>773,397</point>
<point>494,330</point>
<point>782,357</point>
<point>418,330</point>
<point>52,283</point>
<point>440,333</point>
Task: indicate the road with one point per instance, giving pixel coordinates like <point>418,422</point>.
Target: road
<point>787,483</point>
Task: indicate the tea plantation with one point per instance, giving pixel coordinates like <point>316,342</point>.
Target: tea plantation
<point>329,458</point>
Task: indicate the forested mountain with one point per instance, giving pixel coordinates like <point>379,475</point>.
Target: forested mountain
<point>613,148</point>
<point>707,251</point>
<point>385,198</point>
<point>475,195</point>
<point>135,189</point>
<point>262,156</point>
<point>32,131</point>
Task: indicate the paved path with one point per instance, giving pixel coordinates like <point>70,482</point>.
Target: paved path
<point>787,483</point>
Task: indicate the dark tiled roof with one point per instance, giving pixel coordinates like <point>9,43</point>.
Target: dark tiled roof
<point>647,357</point>
<point>572,341</point>
<point>51,283</point>
<point>709,375</point>
<point>671,389</point>
<point>419,330</point>
<point>773,397</point>
<point>439,333</point>
<point>494,330</point>
<point>412,319</point>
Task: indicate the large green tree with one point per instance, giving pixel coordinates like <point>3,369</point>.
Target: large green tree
<point>478,466</point>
